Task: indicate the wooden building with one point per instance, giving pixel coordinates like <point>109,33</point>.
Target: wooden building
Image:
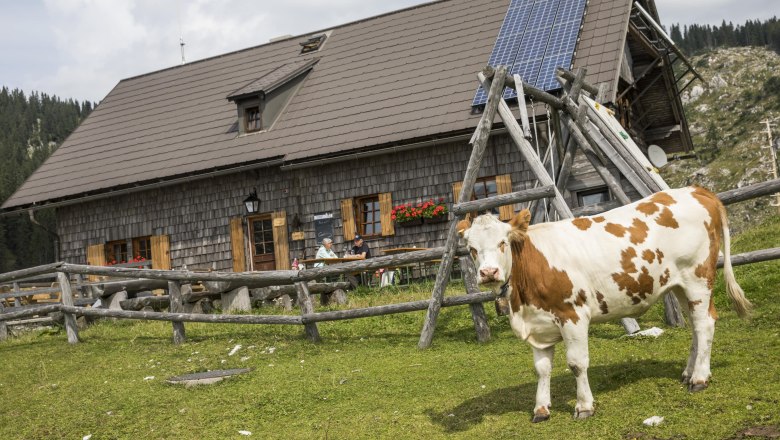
<point>331,129</point>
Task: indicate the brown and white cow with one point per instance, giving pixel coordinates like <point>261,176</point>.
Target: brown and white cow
<point>567,274</point>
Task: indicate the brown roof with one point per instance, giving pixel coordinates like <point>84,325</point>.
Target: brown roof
<point>405,75</point>
<point>270,81</point>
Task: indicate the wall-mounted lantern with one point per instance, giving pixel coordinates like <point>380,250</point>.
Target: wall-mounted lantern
<point>252,203</point>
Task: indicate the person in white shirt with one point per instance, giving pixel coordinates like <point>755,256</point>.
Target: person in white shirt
<point>325,251</point>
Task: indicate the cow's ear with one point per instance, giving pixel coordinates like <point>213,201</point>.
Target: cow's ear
<point>521,220</point>
<point>463,226</point>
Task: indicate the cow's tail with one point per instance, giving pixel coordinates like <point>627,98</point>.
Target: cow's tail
<point>738,301</point>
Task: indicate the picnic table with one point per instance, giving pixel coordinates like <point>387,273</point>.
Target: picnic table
<point>328,261</point>
<point>406,269</point>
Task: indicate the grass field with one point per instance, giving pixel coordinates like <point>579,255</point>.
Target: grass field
<point>367,379</point>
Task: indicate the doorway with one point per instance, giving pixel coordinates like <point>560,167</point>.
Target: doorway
<point>261,236</point>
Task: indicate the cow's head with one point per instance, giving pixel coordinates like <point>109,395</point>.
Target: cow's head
<point>490,242</point>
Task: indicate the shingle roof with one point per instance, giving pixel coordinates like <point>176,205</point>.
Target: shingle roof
<point>270,81</point>
<point>405,75</point>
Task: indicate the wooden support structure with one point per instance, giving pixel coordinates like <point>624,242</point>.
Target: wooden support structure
<point>304,301</point>
<point>3,324</point>
<point>71,328</point>
<point>176,307</point>
<point>496,91</point>
<point>477,310</point>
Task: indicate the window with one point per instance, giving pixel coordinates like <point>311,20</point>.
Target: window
<point>313,43</point>
<point>116,252</point>
<point>252,119</point>
<point>262,236</point>
<point>489,187</point>
<point>368,215</point>
<point>593,196</point>
<point>484,188</point>
<point>142,248</point>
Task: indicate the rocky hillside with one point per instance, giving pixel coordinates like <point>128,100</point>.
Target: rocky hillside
<point>742,89</point>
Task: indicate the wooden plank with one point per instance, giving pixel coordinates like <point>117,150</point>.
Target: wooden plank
<point>26,311</point>
<point>304,301</point>
<point>3,324</point>
<point>347,219</point>
<point>504,186</point>
<point>176,307</point>
<point>753,257</point>
<point>161,252</point>
<point>281,242</point>
<point>495,99</point>
<point>67,300</point>
<point>237,244</point>
<point>182,317</point>
<point>96,256</point>
<point>385,208</point>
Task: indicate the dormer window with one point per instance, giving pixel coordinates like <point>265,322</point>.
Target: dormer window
<point>261,101</point>
<point>313,43</point>
<point>252,119</point>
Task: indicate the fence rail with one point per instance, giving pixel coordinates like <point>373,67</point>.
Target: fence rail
<point>178,284</point>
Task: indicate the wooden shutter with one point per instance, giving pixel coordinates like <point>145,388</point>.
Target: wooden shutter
<point>237,244</point>
<point>96,256</point>
<point>281,243</point>
<point>504,186</point>
<point>161,252</point>
<point>347,219</point>
<point>456,187</point>
<point>385,207</point>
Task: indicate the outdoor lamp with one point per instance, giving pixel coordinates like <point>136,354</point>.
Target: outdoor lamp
<point>252,203</point>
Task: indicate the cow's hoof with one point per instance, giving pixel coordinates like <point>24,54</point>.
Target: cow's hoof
<point>583,414</point>
<point>685,379</point>
<point>540,418</point>
<point>696,387</point>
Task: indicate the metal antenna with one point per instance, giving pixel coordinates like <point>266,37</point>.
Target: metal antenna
<point>181,34</point>
<point>181,44</point>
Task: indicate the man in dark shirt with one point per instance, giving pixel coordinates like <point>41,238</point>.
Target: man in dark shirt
<point>360,247</point>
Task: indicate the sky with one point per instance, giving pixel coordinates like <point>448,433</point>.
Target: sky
<point>81,49</point>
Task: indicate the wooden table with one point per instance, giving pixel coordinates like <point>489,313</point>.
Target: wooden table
<point>329,261</point>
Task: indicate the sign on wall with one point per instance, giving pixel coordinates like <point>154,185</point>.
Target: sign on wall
<point>323,225</point>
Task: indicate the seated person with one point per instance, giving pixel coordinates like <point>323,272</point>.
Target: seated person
<point>360,247</point>
<point>325,251</point>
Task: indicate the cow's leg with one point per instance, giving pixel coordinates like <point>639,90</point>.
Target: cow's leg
<point>682,299</point>
<point>543,362</point>
<point>703,322</point>
<point>578,360</point>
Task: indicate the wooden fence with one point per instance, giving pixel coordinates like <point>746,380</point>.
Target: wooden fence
<point>178,283</point>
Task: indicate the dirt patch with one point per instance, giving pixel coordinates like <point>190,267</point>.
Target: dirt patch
<point>759,432</point>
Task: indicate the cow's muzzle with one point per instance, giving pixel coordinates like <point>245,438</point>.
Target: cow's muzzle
<point>489,275</point>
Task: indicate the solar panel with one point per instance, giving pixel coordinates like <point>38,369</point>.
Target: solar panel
<point>536,37</point>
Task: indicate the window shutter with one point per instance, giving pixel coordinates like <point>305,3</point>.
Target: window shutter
<point>456,187</point>
<point>281,244</point>
<point>385,208</point>
<point>504,186</point>
<point>161,252</point>
<point>237,244</point>
<point>347,219</point>
<point>96,256</point>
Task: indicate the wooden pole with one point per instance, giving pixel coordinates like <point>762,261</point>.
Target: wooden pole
<point>477,309</point>
<point>753,257</point>
<point>503,199</point>
<point>176,307</point>
<point>67,300</point>
<point>495,98</point>
<point>182,317</point>
<point>749,192</point>
<point>29,272</point>
<point>3,325</point>
<point>304,301</point>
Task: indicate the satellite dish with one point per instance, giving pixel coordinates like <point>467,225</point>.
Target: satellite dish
<point>657,156</point>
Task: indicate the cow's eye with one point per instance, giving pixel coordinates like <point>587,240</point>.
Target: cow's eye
<point>501,246</point>
<point>474,253</point>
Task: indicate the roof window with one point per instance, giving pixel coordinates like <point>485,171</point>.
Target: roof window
<point>313,44</point>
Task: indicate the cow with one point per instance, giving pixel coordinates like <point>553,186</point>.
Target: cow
<point>563,275</point>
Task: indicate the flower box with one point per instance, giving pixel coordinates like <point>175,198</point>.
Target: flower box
<point>413,222</point>
<point>436,219</point>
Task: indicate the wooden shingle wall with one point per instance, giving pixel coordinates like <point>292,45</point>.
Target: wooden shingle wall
<point>196,215</point>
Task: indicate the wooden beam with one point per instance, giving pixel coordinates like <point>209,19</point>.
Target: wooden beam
<point>749,192</point>
<point>71,328</point>
<point>29,272</point>
<point>176,307</point>
<point>503,199</point>
<point>477,309</point>
<point>304,301</point>
<point>753,257</point>
<point>495,99</point>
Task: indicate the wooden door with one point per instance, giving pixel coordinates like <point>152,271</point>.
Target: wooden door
<point>261,236</point>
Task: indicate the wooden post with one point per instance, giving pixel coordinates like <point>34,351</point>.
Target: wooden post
<point>17,301</point>
<point>3,325</point>
<point>304,301</point>
<point>84,291</point>
<point>176,306</point>
<point>67,300</point>
<point>495,94</point>
<point>477,309</point>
